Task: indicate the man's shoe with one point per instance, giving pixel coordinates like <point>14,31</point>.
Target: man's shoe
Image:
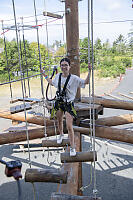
<point>72,151</point>
<point>60,138</point>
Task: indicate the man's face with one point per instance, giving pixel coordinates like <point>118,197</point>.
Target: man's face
<point>65,67</point>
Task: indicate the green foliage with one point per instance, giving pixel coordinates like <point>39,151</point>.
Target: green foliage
<point>110,68</point>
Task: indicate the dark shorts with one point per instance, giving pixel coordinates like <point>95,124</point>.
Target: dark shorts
<point>65,107</point>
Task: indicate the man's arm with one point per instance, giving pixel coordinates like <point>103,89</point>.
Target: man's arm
<point>46,77</point>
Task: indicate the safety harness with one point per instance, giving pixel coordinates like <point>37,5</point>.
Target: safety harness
<point>61,100</point>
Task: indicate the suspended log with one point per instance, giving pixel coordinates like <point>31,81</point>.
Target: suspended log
<point>74,171</point>
<point>45,175</point>
<point>115,120</point>
<point>110,103</point>
<point>53,143</point>
<point>29,117</point>
<point>109,133</point>
<point>52,15</point>
<point>87,156</point>
<point>58,196</point>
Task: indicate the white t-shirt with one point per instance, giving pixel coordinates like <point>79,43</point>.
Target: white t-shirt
<point>73,84</point>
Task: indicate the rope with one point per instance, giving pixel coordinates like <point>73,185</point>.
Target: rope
<point>7,64</point>
<point>27,134</point>
<point>25,55</point>
<point>94,172</point>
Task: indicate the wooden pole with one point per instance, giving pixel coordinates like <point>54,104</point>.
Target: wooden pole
<point>102,132</point>
<point>109,133</point>
<point>29,117</point>
<point>72,37</point>
<point>72,185</point>
<point>110,103</point>
<point>115,120</point>
<point>45,175</point>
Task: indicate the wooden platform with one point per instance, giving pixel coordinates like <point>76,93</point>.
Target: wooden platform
<point>20,108</point>
<point>83,110</point>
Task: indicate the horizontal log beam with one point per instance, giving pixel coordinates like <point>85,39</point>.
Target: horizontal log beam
<point>87,156</point>
<point>53,143</point>
<point>102,132</point>
<point>18,136</point>
<point>109,133</point>
<point>45,175</point>
<point>29,118</point>
<point>115,120</point>
<point>58,196</point>
<point>110,103</point>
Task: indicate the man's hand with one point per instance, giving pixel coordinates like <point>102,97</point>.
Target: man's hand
<point>43,72</point>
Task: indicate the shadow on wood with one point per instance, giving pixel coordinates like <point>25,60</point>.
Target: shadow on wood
<point>45,175</point>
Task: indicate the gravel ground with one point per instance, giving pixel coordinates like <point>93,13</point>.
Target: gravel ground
<point>113,169</point>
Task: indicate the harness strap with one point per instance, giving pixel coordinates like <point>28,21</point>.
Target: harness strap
<point>65,85</point>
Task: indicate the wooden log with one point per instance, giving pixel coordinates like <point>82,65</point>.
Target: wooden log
<point>53,143</point>
<point>58,196</point>
<point>29,117</point>
<point>109,133</point>
<point>102,132</point>
<point>110,103</point>
<point>115,120</point>
<point>45,175</point>
<point>73,183</point>
<point>87,156</point>
<point>18,136</point>
<point>52,15</point>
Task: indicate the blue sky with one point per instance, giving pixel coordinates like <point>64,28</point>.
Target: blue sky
<point>104,11</point>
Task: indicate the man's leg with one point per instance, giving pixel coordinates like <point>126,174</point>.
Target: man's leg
<point>69,125</point>
<point>59,116</point>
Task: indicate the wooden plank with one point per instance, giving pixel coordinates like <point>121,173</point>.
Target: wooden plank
<point>45,175</point>
<point>110,103</point>
<point>26,99</point>
<point>52,15</point>
<point>58,196</point>
<point>87,156</point>
<point>20,108</point>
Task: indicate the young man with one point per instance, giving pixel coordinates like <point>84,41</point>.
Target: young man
<point>65,98</point>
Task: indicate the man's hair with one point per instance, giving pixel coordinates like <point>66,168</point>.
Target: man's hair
<point>65,59</point>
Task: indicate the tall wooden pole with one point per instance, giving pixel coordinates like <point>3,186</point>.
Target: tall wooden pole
<point>72,37</point>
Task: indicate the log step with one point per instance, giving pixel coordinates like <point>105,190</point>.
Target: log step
<point>45,175</point>
<point>61,196</point>
<point>53,143</point>
<point>20,108</point>
<point>87,156</point>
